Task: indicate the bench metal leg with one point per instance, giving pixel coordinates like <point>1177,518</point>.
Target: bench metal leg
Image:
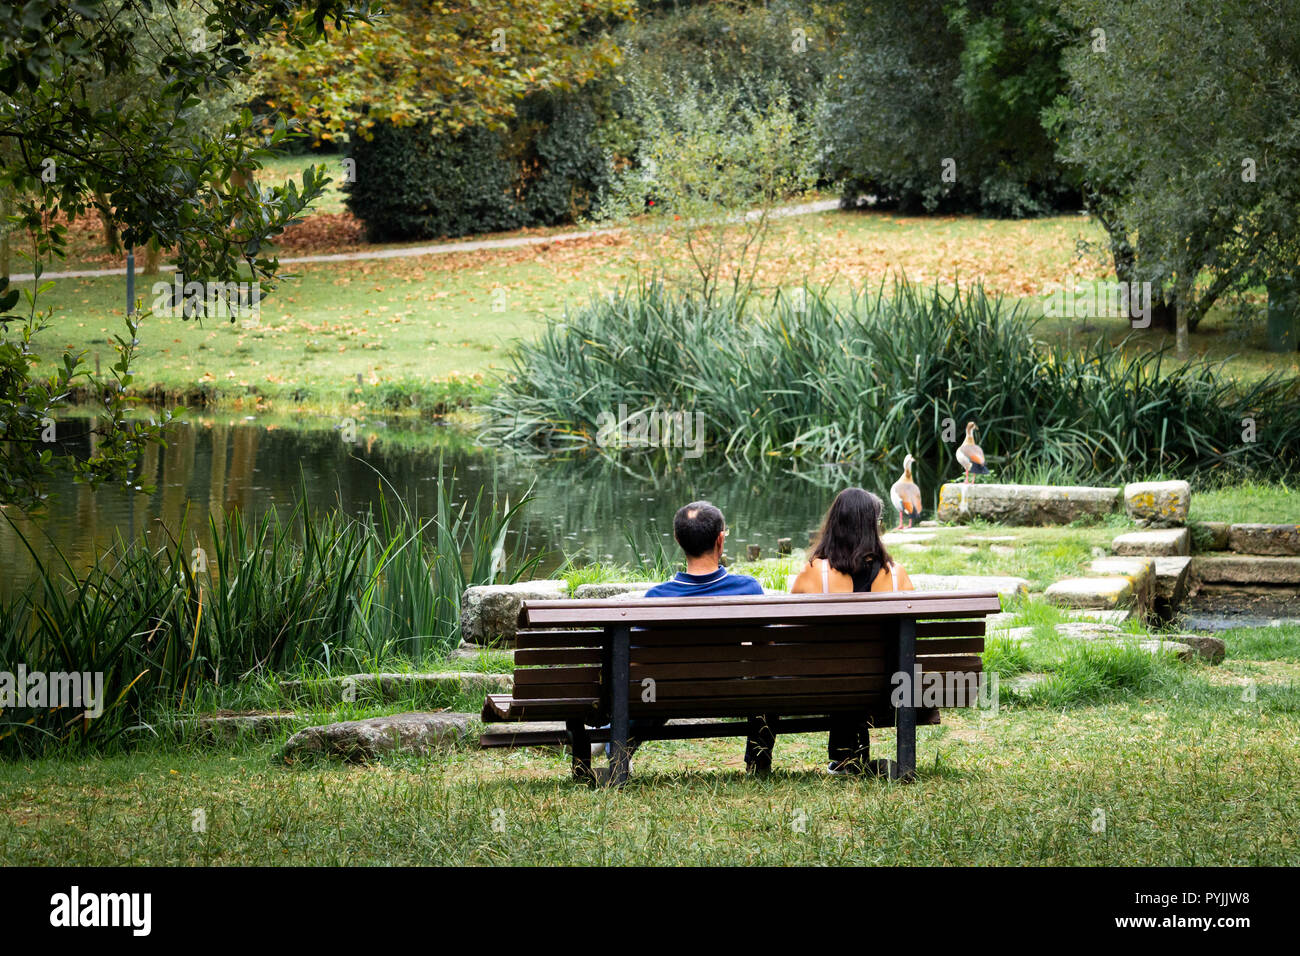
<point>620,676</point>
<point>905,717</point>
<point>580,745</point>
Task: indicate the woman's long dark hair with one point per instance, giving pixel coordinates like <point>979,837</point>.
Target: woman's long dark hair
<point>850,534</point>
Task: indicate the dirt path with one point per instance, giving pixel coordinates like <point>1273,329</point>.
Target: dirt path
<point>434,249</point>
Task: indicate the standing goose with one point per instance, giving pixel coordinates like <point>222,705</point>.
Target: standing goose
<point>971,455</point>
<point>905,495</point>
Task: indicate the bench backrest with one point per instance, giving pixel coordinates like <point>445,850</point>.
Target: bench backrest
<point>717,657</point>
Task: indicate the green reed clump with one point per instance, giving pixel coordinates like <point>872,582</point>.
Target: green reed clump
<point>258,598</point>
<point>808,378</point>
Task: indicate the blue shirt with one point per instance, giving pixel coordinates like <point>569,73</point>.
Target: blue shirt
<point>704,585</point>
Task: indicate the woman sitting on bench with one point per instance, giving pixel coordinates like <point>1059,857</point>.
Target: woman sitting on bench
<point>850,556</point>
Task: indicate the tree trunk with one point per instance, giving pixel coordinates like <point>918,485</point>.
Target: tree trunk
<point>112,241</point>
<point>7,229</point>
<point>152,255</point>
<point>1184,305</point>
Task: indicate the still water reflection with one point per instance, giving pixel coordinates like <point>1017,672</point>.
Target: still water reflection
<point>583,506</point>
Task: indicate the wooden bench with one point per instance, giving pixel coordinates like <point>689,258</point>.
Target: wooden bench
<point>796,659</point>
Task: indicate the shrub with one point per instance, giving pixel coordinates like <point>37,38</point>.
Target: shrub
<point>547,168</point>
<point>411,184</point>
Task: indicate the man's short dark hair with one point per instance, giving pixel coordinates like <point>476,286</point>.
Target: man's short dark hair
<point>697,526</point>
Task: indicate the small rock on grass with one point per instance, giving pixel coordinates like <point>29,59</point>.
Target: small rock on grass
<point>418,733</point>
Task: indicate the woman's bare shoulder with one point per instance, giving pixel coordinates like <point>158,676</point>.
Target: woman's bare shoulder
<point>885,579</point>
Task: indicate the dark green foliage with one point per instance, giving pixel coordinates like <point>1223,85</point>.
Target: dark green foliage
<point>1188,143</point>
<point>565,171</point>
<point>886,375</point>
<point>412,184</point>
<point>918,83</point>
<point>548,168</point>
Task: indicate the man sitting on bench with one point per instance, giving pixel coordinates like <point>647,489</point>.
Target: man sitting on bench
<point>701,532</point>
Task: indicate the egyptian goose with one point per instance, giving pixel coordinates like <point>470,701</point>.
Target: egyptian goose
<point>905,495</point>
<point>971,455</point>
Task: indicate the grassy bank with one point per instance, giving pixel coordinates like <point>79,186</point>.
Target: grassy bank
<point>1184,772</point>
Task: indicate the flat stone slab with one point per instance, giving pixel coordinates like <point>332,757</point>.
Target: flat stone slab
<point>1207,648</point>
<point>1209,535</point>
<point>386,687</point>
<point>1270,539</point>
<point>1118,616</point>
<point>1164,542</point>
<point>1024,504</point>
<point>418,733</point>
<point>1183,651</point>
<point>609,589</point>
<point>234,726</point>
<point>1140,571</point>
<point>1172,575</point>
<point>1105,593</point>
<point>489,613</point>
<point>1158,504</point>
<point>907,537</point>
<point>1024,684</point>
<point>1250,569</point>
<point>1089,631</point>
<point>1005,585</point>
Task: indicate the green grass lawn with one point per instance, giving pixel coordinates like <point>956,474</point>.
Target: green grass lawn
<point>409,325</point>
<point>1181,771</point>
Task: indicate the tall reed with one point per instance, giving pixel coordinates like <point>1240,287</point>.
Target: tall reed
<point>901,369</point>
<point>266,596</point>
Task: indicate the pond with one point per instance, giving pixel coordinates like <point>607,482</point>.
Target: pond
<point>584,506</point>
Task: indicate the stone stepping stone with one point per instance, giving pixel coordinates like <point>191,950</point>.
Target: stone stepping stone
<point>1183,651</point>
<point>489,613</point>
<point>1251,569</point>
<point>231,726</point>
<point>1022,685</point>
<point>1209,649</point>
<point>386,687</point>
<point>1005,585</point>
<point>1016,635</point>
<point>906,537</point>
<point>1158,504</point>
<point>1209,535</point>
<point>1105,594</point>
<point>416,733</point>
<point>1106,617</point>
<point>1141,573</point>
<point>1172,575</point>
<point>609,589</point>
<point>1166,542</point>
<point>1089,631</point>
<point>1024,504</point>
<point>1269,539</point>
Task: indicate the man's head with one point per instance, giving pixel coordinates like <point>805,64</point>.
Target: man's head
<point>698,528</point>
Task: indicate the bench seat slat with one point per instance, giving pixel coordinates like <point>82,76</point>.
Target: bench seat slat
<point>532,676</point>
<point>820,650</point>
<point>760,688</point>
<point>835,666</point>
<point>951,645</point>
<point>758,608</point>
<point>956,663</point>
<point>564,655</point>
<point>558,638</point>
<point>954,628</point>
